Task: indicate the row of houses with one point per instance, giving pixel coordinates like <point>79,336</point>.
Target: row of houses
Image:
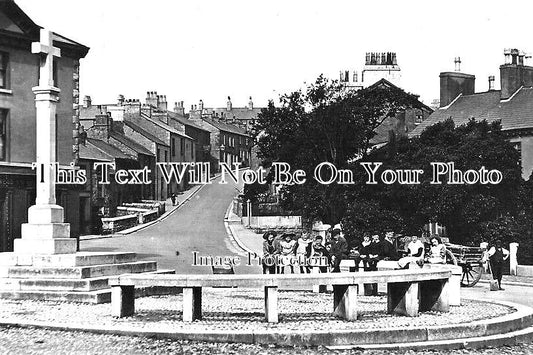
<point>128,133</point>
<point>140,135</point>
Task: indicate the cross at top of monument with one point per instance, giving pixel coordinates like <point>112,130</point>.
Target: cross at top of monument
<point>46,47</point>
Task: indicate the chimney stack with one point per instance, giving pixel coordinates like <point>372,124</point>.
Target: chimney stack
<point>87,101</point>
<point>228,104</point>
<point>514,73</point>
<point>454,83</point>
<point>152,99</point>
<point>178,108</point>
<point>201,106</point>
<point>162,104</point>
<point>491,82</point>
<point>457,62</point>
<point>250,104</point>
<point>120,100</point>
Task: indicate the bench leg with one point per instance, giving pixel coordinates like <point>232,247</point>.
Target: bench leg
<point>402,298</point>
<point>122,301</point>
<point>192,303</point>
<point>345,301</point>
<point>435,295</point>
<point>455,288</point>
<point>271,304</point>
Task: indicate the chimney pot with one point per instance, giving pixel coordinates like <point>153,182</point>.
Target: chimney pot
<point>491,82</point>
<point>457,62</point>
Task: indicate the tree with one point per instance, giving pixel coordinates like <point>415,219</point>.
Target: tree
<point>327,123</point>
<point>470,212</point>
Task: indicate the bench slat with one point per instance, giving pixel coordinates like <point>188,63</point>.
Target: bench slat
<point>283,280</point>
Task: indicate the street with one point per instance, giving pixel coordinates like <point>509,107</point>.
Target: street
<point>197,226</point>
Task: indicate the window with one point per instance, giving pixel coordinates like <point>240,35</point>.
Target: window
<point>182,146</point>
<point>158,154</point>
<point>3,134</point>
<point>166,156</point>
<point>173,147</point>
<point>4,70</point>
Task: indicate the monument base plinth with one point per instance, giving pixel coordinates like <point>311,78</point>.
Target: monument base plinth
<point>45,231</point>
<point>43,214</point>
<point>45,246</point>
<point>75,277</point>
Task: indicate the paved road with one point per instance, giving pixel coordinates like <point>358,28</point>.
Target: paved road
<point>196,226</point>
<point>518,294</point>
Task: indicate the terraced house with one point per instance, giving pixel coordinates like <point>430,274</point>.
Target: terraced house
<point>511,105</point>
<point>19,72</point>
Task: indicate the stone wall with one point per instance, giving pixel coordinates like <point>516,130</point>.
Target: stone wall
<point>116,224</point>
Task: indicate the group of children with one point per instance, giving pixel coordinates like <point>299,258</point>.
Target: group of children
<point>335,248</point>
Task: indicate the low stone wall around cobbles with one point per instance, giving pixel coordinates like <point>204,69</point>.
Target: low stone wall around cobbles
<point>242,310</point>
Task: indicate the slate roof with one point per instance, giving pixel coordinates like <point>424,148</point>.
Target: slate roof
<point>108,149</point>
<point>240,113</point>
<point>131,144</point>
<point>28,31</point>
<point>89,151</point>
<point>184,120</point>
<point>165,126</point>
<point>143,132</point>
<point>481,106</point>
<point>517,113</point>
<point>226,127</point>
<point>514,113</point>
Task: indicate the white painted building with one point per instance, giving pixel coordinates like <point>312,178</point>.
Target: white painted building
<point>378,65</point>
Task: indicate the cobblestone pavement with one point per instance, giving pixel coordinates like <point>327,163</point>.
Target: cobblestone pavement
<point>39,341</point>
<point>239,309</point>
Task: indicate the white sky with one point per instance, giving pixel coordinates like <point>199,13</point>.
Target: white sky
<point>209,49</point>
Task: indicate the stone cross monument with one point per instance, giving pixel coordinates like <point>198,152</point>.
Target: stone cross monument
<point>45,232</point>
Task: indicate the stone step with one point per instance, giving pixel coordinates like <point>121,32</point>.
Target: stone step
<point>98,296</point>
<point>93,296</point>
<point>77,272</point>
<point>90,284</point>
<point>71,285</point>
<point>66,260</point>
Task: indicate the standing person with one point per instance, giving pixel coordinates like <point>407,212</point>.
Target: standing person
<point>497,255</point>
<point>317,251</point>
<point>277,248</point>
<point>437,251</point>
<point>339,249</point>
<point>288,246</point>
<point>364,250</point>
<point>173,198</point>
<point>388,250</point>
<point>374,251</point>
<point>415,253</point>
<point>301,252</point>
<point>269,253</point>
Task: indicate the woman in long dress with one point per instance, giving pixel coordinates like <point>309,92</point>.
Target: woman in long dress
<point>416,253</point>
<point>437,251</point>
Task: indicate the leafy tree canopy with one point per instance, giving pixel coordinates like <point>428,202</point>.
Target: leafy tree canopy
<point>326,123</point>
<point>466,210</point>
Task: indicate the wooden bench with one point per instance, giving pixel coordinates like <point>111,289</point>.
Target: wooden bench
<point>408,291</point>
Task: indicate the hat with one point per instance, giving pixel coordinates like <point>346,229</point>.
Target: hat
<point>265,236</point>
<point>337,227</point>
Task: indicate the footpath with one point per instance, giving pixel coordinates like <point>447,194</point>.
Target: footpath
<point>182,199</point>
<point>246,239</point>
